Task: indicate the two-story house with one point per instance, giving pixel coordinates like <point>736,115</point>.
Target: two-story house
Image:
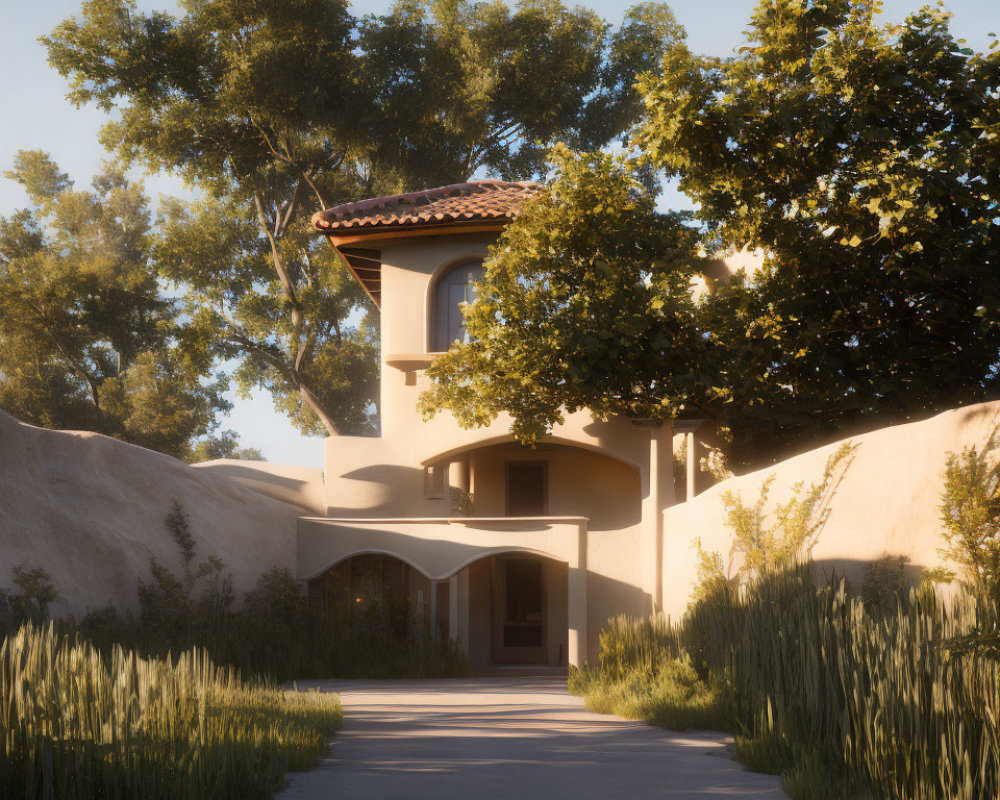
<point>521,554</point>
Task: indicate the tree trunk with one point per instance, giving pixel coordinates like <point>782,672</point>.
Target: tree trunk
<point>313,402</point>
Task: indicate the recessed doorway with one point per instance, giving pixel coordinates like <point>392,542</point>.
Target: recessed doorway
<point>519,611</point>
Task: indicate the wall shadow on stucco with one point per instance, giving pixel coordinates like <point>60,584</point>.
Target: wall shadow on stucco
<point>254,474</point>
<point>392,490</point>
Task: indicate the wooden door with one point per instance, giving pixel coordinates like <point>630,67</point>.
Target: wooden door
<point>519,610</point>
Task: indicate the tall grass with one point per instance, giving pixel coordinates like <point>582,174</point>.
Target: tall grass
<point>74,724</point>
<point>840,701</point>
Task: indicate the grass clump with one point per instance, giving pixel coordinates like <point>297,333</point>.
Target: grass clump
<point>644,674</point>
<point>78,724</point>
<point>671,696</point>
<point>841,701</point>
<point>893,693</point>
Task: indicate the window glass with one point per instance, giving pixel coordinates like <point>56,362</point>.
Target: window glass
<point>453,291</point>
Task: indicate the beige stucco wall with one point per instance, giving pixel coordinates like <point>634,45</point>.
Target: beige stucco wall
<point>90,511</point>
<point>301,486</point>
<point>409,269</point>
<point>887,503</point>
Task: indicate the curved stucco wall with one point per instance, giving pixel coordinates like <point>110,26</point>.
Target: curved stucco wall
<point>887,503</point>
<point>90,511</point>
<point>302,486</point>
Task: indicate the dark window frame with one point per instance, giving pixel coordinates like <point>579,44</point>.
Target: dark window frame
<point>439,329</point>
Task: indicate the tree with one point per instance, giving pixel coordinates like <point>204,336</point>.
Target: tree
<point>865,161</point>
<point>505,85</point>
<point>586,303</point>
<point>86,339</point>
<point>225,445</point>
<point>280,107</point>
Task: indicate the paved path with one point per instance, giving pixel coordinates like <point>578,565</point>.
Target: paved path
<point>510,738</point>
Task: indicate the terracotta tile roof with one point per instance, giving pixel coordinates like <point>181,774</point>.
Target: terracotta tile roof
<point>478,201</point>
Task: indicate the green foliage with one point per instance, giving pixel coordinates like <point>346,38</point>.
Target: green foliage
<point>278,108</point>
<point>30,603</point>
<point>970,514</point>
<point>78,723</point>
<point>839,702</point>
<point>87,341</point>
<point>673,696</point>
<point>277,634</point>
<point>643,673</point>
<point>224,445</point>
<point>585,304</point>
<point>189,607</point>
<point>884,585</point>
<point>864,161</point>
<point>761,546</point>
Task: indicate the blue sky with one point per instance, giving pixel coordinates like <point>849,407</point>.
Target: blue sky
<point>37,116</point>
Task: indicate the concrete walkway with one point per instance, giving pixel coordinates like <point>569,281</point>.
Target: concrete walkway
<point>517,738</point>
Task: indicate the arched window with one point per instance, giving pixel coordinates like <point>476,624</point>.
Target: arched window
<point>454,290</point>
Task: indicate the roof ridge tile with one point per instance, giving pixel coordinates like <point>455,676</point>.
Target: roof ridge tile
<point>489,199</point>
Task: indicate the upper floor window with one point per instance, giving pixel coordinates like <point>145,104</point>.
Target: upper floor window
<point>453,290</point>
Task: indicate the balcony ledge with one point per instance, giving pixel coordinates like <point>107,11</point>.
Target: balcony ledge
<point>410,362</point>
<point>447,520</point>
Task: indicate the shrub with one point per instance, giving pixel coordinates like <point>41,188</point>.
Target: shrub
<point>884,585</point>
<point>32,600</point>
<point>277,635</point>
<point>764,543</point>
<point>970,513</point>
<point>845,697</point>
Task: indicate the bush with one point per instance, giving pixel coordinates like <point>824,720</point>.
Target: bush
<point>32,600</point>
<point>818,689</point>
<point>277,635</point>
<point>884,585</point>
<point>764,543</point>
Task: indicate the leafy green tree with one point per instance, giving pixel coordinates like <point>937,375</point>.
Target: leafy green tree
<point>457,86</point>
<point>865,161</point>
<point>279,107</point>
<point>86,339</point>
<point>586,303</point>
<point>224,445</point>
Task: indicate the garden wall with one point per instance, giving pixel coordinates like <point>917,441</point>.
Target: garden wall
<point>90,511</point>
<point>887,502</point>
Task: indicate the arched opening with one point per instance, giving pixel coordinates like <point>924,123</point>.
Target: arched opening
<point>375,589</point>
<point>513,609</point>
<point>452,291</point>
<point>550,479</point>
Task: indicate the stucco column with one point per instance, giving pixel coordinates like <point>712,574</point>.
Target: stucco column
<point>657,495</point>
<point>453,607</point>
<point>689,441</point>
<point>576,591</point>
<point>459,477</point>
<point>434,608</point>
<point>463,610</point>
